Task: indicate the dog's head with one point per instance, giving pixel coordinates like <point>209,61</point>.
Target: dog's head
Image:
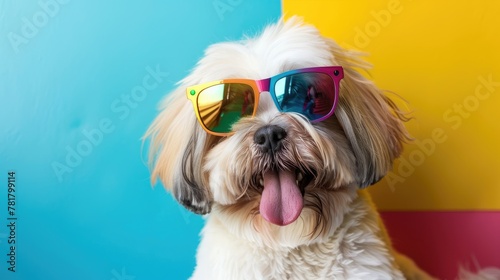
<point>277,168</point>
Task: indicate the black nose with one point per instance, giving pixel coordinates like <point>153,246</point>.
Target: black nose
<point>268,138</point>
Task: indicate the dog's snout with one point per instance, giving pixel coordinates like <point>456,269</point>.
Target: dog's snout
<point>268,138</point>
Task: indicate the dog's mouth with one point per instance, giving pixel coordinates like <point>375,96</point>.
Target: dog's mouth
<point>282,197</point>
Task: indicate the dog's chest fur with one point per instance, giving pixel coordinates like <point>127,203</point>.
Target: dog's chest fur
<point>356,250</point>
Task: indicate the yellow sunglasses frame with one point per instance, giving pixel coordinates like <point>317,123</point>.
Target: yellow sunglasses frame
<point>193,92</point>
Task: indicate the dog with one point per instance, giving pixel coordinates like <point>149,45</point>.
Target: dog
<point>277,153</point>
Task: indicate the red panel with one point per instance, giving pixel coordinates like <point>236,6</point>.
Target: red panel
<point>440,242</point>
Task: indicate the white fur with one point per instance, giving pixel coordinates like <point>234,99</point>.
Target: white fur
<point>354,251</point>
<point>338,234</point>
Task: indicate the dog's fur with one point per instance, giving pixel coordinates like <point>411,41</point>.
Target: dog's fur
<point>339,234</point>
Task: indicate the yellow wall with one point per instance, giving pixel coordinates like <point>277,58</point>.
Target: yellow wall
<point>444,59</point>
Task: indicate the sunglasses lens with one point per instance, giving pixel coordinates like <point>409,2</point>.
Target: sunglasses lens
<point>220,106</point>
<point>311,94</point>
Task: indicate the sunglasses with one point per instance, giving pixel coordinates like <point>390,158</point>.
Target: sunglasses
<point>312,92</point>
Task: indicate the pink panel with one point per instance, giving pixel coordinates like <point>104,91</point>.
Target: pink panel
<point>440,242</point>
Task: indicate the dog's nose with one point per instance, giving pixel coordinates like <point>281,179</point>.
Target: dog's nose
<point>268,138</point>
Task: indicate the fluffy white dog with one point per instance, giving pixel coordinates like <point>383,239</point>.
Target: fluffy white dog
<point>280,163</point>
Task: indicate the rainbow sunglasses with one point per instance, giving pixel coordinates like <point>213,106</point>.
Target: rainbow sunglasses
<point>312,92</point>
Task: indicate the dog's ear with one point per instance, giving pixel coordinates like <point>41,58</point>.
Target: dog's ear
<point>177,146</point>
<point>372,123</point>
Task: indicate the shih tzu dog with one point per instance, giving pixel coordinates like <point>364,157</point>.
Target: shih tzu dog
<point>275,138</point>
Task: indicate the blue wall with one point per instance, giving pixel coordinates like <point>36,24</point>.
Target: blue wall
<point>79,84</point>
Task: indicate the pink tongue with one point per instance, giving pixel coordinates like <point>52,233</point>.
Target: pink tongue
<point>281,201</point>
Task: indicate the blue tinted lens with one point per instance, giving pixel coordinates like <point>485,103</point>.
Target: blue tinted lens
<point>310,94</point>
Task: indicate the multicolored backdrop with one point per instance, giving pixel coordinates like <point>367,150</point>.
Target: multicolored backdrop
<point>441,202</point>
<point>80,82</point>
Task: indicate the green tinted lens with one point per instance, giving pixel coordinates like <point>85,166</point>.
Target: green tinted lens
<point>311,94</point>
<point>220,106</point>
